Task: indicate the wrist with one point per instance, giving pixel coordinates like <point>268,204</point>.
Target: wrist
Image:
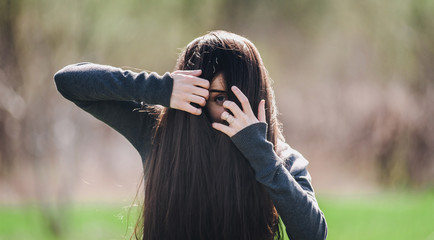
<point>250,139</point>
<point>158,89</point>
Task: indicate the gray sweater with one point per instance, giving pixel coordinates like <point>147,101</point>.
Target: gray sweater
<point>111,95</point>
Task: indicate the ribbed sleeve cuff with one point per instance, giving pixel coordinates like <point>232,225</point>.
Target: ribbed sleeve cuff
<point>166,90</point>
<point>159,90</point>
<point>249,136</point>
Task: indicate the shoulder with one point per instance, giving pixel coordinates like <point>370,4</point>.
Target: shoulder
<point>293,160</point>
<point>296,164</point>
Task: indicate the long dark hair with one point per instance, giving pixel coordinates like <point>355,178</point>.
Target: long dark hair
<point>198,185</point>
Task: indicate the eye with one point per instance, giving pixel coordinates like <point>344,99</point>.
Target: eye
<point>220,99</point>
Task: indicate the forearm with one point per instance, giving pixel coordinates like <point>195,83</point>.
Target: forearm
<point>296,206</point>
<point>111,94</point>
<point>94,82</point>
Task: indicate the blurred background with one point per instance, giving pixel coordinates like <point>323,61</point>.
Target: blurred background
<point>354,83</point>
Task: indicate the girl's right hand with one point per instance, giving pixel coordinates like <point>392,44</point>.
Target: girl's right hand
<point>188,88</point>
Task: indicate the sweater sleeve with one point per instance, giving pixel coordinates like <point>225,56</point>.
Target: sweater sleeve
<point>111,95</point>
<point>288,183</point>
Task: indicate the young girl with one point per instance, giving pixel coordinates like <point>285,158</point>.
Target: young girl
<point>215,162</point>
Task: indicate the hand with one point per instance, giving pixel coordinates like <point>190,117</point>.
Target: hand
<point>241,118</point>
<point>188,88</point>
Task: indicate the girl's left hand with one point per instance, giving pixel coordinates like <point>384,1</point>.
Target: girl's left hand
<point>241,118</point>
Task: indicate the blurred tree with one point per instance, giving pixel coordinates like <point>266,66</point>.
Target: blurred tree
<point>422,23</point>
<point>11,103</point>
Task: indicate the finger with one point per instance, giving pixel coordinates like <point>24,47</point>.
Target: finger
<point>238,113</point>
<point>243,100</point>
<point>225,116</point>
<point>200,92</point>
<point>200,82</point>
<point>230,119</point>
<point>196,99</point>
<point>196,72</point>
<point>261,111</point>
<point>189,108</point>
<point>223,128</point>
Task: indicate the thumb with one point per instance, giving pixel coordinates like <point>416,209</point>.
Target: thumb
<point>261,111</point>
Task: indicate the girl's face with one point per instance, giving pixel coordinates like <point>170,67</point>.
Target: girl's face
<point>217,95</point>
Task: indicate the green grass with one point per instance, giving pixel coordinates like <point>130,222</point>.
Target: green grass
<point>388,216</point>
<point>78,222</point>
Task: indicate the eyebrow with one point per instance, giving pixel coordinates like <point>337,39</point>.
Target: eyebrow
<point>215,90</point>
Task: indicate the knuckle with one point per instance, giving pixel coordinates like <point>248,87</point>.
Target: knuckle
<point>206,84</point>
<point>244,100</point>
<point>202,102</point>
<point>186,80</point>
<point>192,88</point>
<point>204,93</point>
<point>185,88</point>
<point>191,79</point>
<point>200,83</point>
